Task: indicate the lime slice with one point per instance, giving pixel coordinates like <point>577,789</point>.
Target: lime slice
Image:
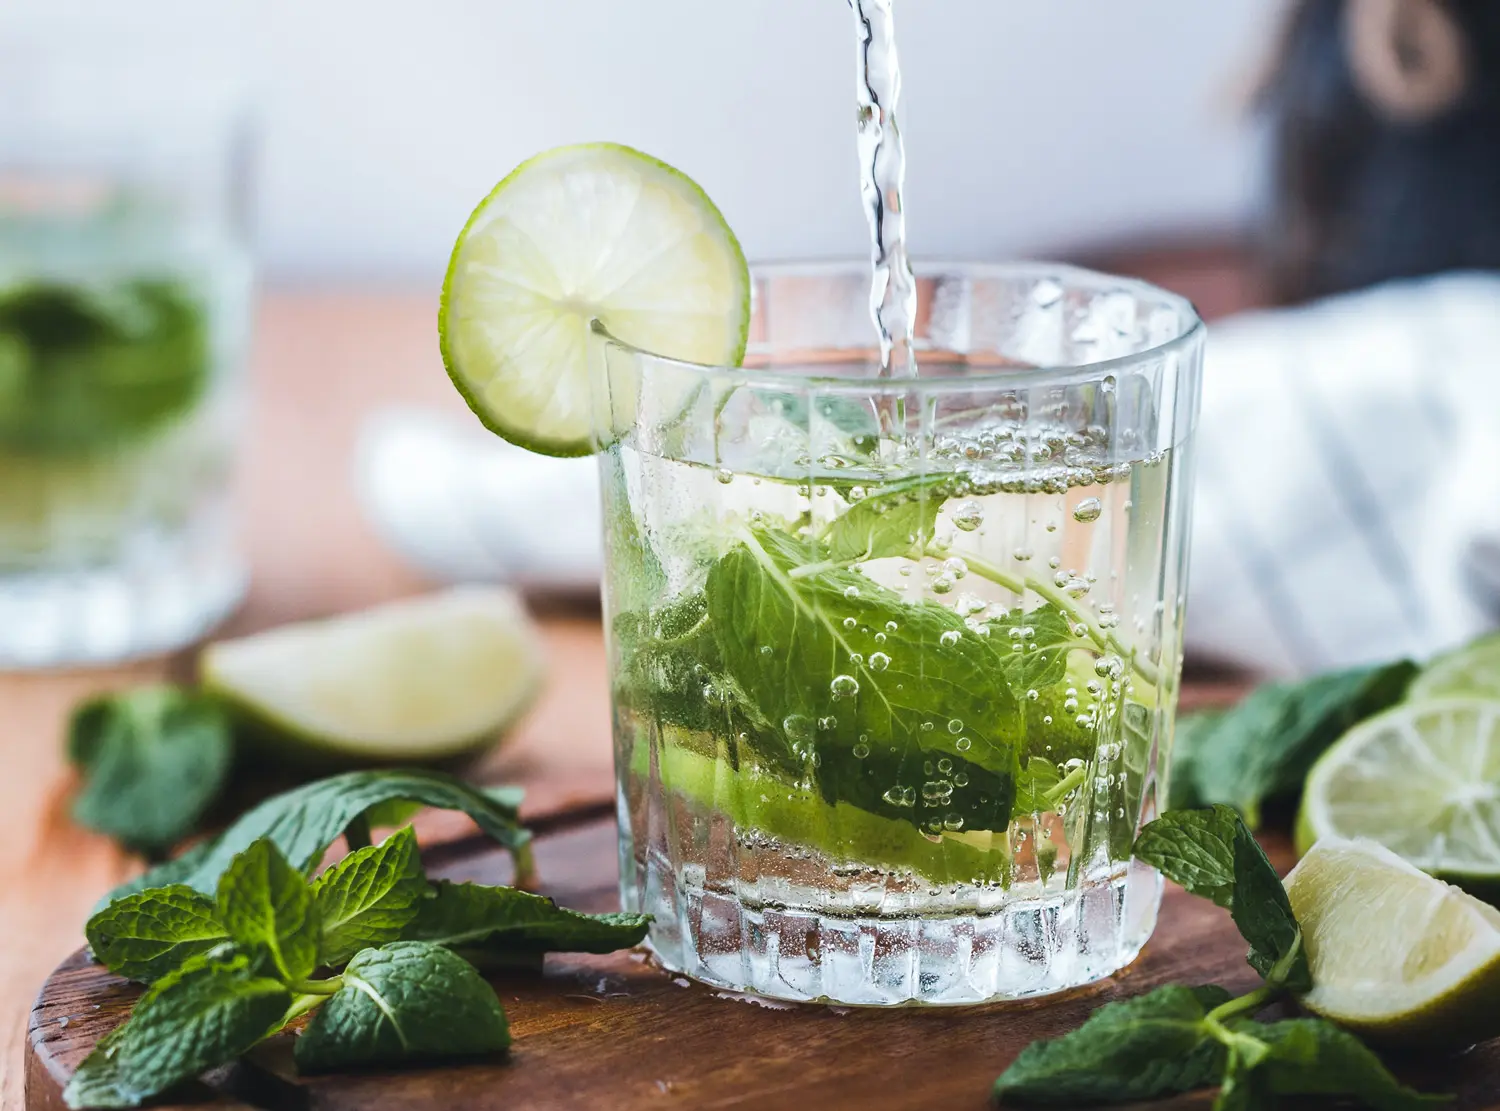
<point>753,799</point>
<point>1395,954</point>
<point>1422,779</point>
<point>416,681</point>
<point>593,232</point>
<point>1470,671</point>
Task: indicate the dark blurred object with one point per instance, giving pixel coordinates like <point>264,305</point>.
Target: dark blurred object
<point>1385,122</point>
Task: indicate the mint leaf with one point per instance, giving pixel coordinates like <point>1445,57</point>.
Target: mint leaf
<point>897,520</point>
<point>1037,668</point>
<point>152,760</point>
<point>1213,854</point>
<point>1308,1056</point>
<point>1194,849</point>
<point>1191,734</point>
<point>1142,1048</point>
<point>264,901</point>
<point>864,718</point>
<point>94,366</point>
<point>506,924</point>
<point>409,1001</point>
<point>302,823</point>
<point>369,897</point>
<point>146,935</point>
<point>205,1014</point>
<point>1035,784</point>
<point>1262,749</point>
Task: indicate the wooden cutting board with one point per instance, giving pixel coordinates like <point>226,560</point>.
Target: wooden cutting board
<point>616,1032</point>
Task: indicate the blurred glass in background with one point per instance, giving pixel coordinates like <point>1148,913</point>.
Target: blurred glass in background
<point>124,311</point>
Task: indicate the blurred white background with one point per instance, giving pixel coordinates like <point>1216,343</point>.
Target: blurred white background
<point>1033,126</point>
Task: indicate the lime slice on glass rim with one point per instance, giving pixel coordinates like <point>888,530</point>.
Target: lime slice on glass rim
<point>1395,954</point>
<point>1422,779</point>
<point>422,680</point>
<point>577,234</point>
<point>1471,671</point>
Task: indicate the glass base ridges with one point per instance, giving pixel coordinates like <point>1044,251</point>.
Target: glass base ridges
<point>164,594</point>
<point>772,941</point>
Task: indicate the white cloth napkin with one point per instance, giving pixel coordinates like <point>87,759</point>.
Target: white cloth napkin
<point>1348,485</point>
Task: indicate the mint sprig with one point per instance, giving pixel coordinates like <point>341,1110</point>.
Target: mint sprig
<point>152,760</point>
<point>1177,1039</point>
<point>371,946</point>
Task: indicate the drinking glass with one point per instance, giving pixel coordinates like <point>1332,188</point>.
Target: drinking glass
<point>124,310</point>
<point>895,659</point>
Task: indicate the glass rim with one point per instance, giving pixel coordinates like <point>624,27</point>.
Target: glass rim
<point>1063,374</point>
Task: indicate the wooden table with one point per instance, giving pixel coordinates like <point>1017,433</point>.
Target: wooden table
<point>322,362</point>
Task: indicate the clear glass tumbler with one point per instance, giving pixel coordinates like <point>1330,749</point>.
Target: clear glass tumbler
<point>124,312</point>
<point>895,661</point>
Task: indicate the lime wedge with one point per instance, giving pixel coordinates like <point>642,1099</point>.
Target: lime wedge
<point>1470,671</point>
<point>583,233</point>
<point>1395,954</point>
<point>417,681</point>
<point>1422,779</point>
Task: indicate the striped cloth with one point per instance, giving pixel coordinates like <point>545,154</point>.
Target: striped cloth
<point>1348,492</point>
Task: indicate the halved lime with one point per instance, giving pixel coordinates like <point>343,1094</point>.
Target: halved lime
<point>416,681</point>
<point>1422,779</point>
<point>1471,671</point>
<point>583,233</point>
<point>1395,954</point>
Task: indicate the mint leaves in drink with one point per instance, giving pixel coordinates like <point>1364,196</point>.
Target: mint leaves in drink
<point>1176,1038</point>
<point>152,761</point>
<point>385,958</point>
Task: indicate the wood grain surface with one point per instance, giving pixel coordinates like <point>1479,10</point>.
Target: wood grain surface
<point>617,1032</point>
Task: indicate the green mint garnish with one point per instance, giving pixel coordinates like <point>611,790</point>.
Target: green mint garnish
<point>1213,854</point>
<point>1261,750</point>
<point>370,897</point>
<point>302,823</point>
<point>146,935</point>
<point>152,760</point>
<point>407,1002</point>
<point>263,902</point>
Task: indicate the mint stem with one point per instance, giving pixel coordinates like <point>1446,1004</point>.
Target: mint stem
<point>301,1005</point>
<point>317,987</point>
<point>1021,584</point>
<point>1066,784</point>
